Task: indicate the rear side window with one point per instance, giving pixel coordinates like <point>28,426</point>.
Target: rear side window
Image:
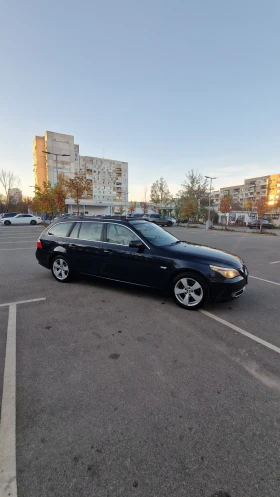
<point>60,229</point>
<point>91,231</point>
<point>75,231</point>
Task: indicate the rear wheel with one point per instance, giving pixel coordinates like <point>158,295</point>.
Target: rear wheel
<point>33,222</point>
<point>60,269</point>
<point>7,223</point>
<point>190,291</point>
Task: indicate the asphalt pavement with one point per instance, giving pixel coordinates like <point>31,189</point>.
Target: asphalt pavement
<point>119,392</point>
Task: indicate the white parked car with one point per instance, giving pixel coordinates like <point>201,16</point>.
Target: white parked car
<point>21,219</point>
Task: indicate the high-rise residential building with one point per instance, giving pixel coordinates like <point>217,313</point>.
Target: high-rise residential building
<point>254,189</point>
<point>56,153</point>
<point>15,195</point>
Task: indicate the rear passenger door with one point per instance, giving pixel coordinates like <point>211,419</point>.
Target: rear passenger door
<point>84,247</point>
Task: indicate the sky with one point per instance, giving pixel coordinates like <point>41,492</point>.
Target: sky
<point>166,85</point>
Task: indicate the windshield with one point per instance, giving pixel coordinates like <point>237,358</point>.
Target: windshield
<point>156,235</point>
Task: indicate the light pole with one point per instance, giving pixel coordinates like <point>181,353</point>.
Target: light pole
<point>56,155</point>
<point>210,180</point>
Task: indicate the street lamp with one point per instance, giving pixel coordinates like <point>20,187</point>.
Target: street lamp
<point>211,179</point>
<point>56,155</point>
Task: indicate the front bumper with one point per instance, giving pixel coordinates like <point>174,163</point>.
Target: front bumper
<point>228,289</point>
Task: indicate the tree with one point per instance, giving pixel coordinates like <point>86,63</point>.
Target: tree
<point>189,209</point>
<point>248,205</point>
<point>144,207</point>
<point>60,193</point>
<point>194,189</point>
<point>225,206</point>
<point>132,207</point>
<point>121,209</point>
<point>8,181</point>
<point>262,207</point>
<point>78,187</point>
<point>160,193</point>
<point>44,200</point>
<point>236,206</point>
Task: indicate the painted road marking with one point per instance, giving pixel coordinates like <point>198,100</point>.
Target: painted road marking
<point>276,262</point>
<point>243,332</point>
<point>8,474</point>
<point>8,481</point>
<point>267,281</point>
<point>23,302</point>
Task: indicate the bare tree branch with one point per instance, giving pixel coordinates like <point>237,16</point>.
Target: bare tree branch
<point>8,180</point>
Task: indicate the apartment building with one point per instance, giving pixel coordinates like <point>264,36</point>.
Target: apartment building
<point>254,189</point>
<point>57,153</point>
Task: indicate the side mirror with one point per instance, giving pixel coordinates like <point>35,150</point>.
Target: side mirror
<point>136,244</point>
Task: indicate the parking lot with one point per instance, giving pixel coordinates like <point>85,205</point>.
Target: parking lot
<point>119,392</point>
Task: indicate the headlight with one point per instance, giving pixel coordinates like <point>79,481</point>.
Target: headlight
<point>225,272</point>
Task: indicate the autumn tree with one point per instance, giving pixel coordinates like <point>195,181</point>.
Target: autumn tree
<point>8,181</point>
<point>225,206</point>
<point>248,205</point>
<point>78,187</point>
<point>144,207</point>
<point>121,209</point>
<point>262,207</point>
<point>160,193</point>
<point>194,189</point>
<point>132,207</point>
<point>189,209</point>
<point>44,200</point>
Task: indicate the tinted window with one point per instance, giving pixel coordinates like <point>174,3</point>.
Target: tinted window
<point>75,231</point>
<point>60,229</point>
<point>119,234</point>
<point>91,231</point>
<point>155,234</point>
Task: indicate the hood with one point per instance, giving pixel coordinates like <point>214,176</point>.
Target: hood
<point>204,254</point>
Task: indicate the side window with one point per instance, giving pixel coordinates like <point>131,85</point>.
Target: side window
<point>75,231</point>
<point>26,215</point>
<point>91,231</point>
<point>20,215</point>
<point>60,229</point>
<point>119,234</point>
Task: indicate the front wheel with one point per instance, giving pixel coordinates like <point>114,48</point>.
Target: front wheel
<point>189,290</point>
<point>7,223</point>
<point>33,222</point>
<point>60,269</point>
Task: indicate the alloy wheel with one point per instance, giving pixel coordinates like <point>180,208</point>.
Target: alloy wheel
<point>60,269</point>
<point>188,292</point>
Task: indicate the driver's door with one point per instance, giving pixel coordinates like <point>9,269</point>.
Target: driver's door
<point>122,262</point>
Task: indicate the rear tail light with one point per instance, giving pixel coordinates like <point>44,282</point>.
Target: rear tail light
<point>39,244</point>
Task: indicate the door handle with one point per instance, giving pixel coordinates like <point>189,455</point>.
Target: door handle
<point>72,245</point>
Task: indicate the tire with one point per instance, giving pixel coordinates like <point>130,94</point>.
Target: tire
<point>33,222</point>
<point>7,223</point>
<point>182,287</point>
<point>60,269</point>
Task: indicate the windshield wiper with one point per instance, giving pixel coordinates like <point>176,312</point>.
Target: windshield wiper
<point>175,243</point>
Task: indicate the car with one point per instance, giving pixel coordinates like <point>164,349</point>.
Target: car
<point>158,219</point>
<point>141,253</point>
<point>21,219</point>
<point>7,215</point>
<point>172,219</point>
<point>256,224</point>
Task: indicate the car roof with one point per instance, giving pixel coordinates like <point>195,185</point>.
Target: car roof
<point>120,219</point>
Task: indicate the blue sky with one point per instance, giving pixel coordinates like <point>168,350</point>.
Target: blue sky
<point>165,85</point>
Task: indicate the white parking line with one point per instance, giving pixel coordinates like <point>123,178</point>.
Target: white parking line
<point>8,475</point>
<point>267,281</point>
<point>276,262</point>
<point>243,332</point>
<point>23,302</point>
